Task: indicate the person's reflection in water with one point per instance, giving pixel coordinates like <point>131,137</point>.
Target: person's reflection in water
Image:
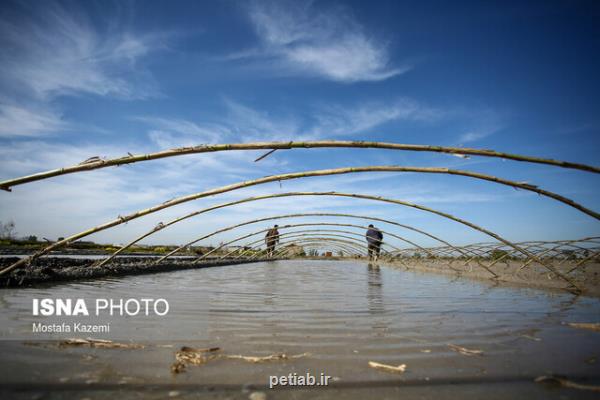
<point>374,295</point>
<point>375,301</point>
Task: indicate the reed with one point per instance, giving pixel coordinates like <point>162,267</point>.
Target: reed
<point>97,163</point>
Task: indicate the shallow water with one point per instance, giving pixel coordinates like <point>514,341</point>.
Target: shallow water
<point>344,314</point>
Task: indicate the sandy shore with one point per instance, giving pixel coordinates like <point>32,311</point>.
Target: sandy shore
<point>586,277</point>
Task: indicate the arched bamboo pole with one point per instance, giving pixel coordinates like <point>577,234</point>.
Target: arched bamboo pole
<point>278,252</point>
<point>285,251</point>
<point>312,244</point>
<point>296,175</point>
<point>551,250</point>
<point>286,234</point>
<point>162,226</point>
<point>321,241</point>
<point>258,233</point>
<point>366,227</point>
<point>344,238</point>
<point>360,249</point>
<point>96,163</point>
<point>175,251</point>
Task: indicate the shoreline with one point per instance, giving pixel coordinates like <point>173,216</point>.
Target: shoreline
<point>509,273</point>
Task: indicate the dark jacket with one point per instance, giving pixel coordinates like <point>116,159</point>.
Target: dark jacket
<point>272,236</point>
<point>374,236</point>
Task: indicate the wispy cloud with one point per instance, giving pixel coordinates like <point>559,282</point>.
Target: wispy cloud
<point>484,123</point>
<point>338,120</point>
<point>327,43</point>
<point>17,121</point>
<point>240,122</point>
<point>54,52</point>
<point>169,130</point>
<point>49,52</point>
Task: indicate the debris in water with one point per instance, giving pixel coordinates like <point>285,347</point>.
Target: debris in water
<point>585,325</point>
<point>388,368</point>
<point>257,396</point>
<point>465,351</point>
<point>99,343</point>
<point>190,355</point>
<point>177,367</point>
<point>566,383</point>
<point>536,339</point>
<point>272,357</point>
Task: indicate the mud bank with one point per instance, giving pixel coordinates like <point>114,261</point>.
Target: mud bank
<point>56,269</point>
<point>586,277</point>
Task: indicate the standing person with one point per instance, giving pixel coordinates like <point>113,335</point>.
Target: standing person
<point>374,239</point>
<point>271,239</point>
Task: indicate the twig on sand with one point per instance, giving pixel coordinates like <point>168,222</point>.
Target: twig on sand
<point>398,369</point>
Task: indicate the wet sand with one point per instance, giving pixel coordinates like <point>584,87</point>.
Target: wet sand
<point>512,273</point>
<point>344,314</point>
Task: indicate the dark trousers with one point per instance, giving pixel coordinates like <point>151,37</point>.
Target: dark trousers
<point>374,249</point>
<point>270,249</point>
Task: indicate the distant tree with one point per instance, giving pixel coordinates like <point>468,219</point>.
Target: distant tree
<point>32,238</point>
<point>61,238</point>
<point>7,230</point>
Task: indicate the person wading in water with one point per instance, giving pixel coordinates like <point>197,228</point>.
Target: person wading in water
<point>374,239</point>
<point>271,239</point>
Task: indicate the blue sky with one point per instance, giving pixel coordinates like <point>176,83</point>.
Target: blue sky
<point>82,79</point>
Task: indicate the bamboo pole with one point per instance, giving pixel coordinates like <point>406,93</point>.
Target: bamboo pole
<point>203,256</point>
<point>162,226</point>
<point>346,238</point>
<point>287,234</point>
<point>296,175</point>
<point>100,163</point>
<point>321,241</point>
<point>175,251</point>
<point>316,243</point>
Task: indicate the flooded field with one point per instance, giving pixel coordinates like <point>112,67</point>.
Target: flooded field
<point>457,337</point>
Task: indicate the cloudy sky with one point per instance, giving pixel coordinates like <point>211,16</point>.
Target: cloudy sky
<point>83,79</point>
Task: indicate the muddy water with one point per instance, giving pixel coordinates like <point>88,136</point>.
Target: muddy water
<point>342,314</point>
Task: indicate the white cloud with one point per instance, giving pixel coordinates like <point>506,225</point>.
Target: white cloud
<point>245,124</point>
<point>325,43</point>
<point>474,136</point>
<point>485,122</point>
<point>54,52</point>
<point>17,121</point>
<point>337,120</point>
<point>183,132</point>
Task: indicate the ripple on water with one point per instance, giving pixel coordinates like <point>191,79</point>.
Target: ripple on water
<point>322,304</point>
